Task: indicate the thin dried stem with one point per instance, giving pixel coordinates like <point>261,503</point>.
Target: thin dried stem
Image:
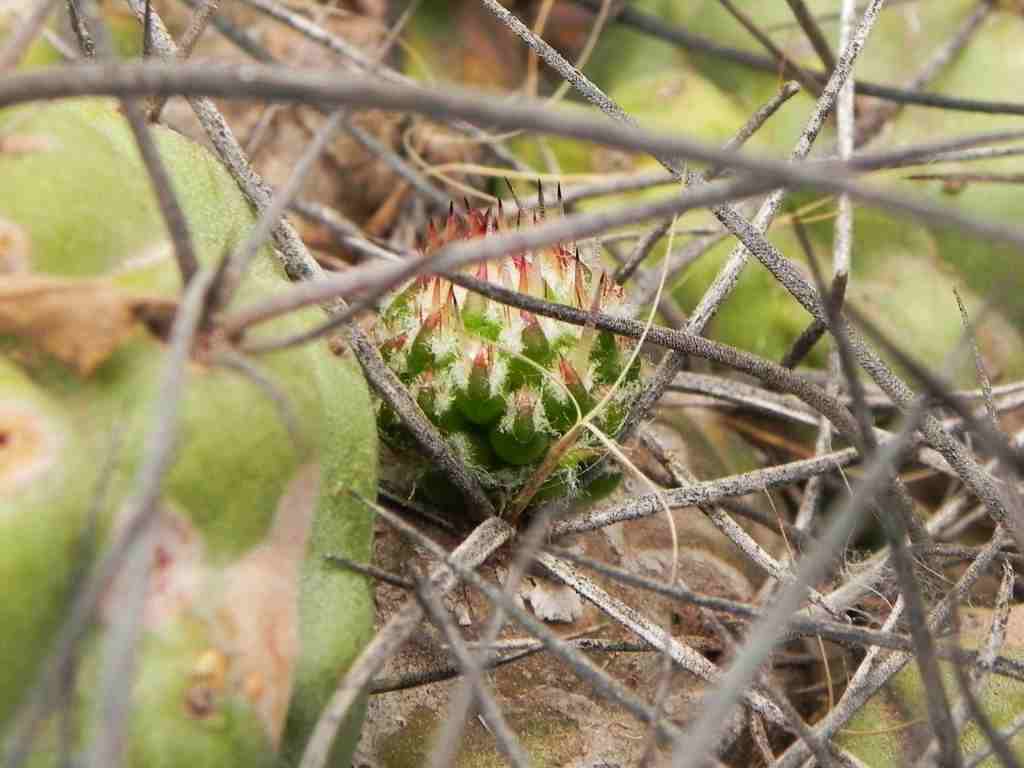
<point>874,673</point>
<point>766,633</point>
<point>725,281</point>
<point>238,262</point>
<point>643,248</point>
<point>661,29</point>
<point>600,681</point>
<point>814,34</point>
<point>201,17</point>
<point>258,82</point>
<point>974,678</point>
<point>782,61</point>
<point>872,126</point>
<point>139,512</point>
<point>706,492</point>
<point>477,547</point>
<point>91,26</point>
<point>19,39</point>
<point>299,265</point>
<point>529,648</point>
<point>506,740</point>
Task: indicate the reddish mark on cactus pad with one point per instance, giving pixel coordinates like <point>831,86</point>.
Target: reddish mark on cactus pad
<point>28,446</point>
<point>569,374</point>
<point>199,702</point>
<point>482,359</point>
<point>15,248</point>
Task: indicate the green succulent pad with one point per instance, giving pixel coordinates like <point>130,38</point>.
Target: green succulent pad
<point>504,385</point>
<point>246,628</point>
<point>891,728</point>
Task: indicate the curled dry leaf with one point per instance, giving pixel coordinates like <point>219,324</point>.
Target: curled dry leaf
<point>80,322</point>
<point>552,601</point>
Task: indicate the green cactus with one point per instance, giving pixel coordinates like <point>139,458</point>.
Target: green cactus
<point>891,727</point>
<point>247,629</point>
<point>503,385</point>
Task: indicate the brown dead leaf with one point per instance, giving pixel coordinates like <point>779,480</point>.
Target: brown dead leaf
<point>80,322</point>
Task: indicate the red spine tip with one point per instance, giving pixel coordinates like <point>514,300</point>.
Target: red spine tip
<point>569,374</point>
<point>483,359</point>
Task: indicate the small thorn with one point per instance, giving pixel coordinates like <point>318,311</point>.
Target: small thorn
<point>436,302</point>
<point>433,321</point>
<point>394,344</point>
<point>579,284</point>
<point>451,224</point>
<point>561,202</point>
<point>513,191</point>
<point>477,224</point>
<point>147,31</point>
<point>523,268</point>
<point>600,293</point>
<point>540,199</point>
<point>569,375</point>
